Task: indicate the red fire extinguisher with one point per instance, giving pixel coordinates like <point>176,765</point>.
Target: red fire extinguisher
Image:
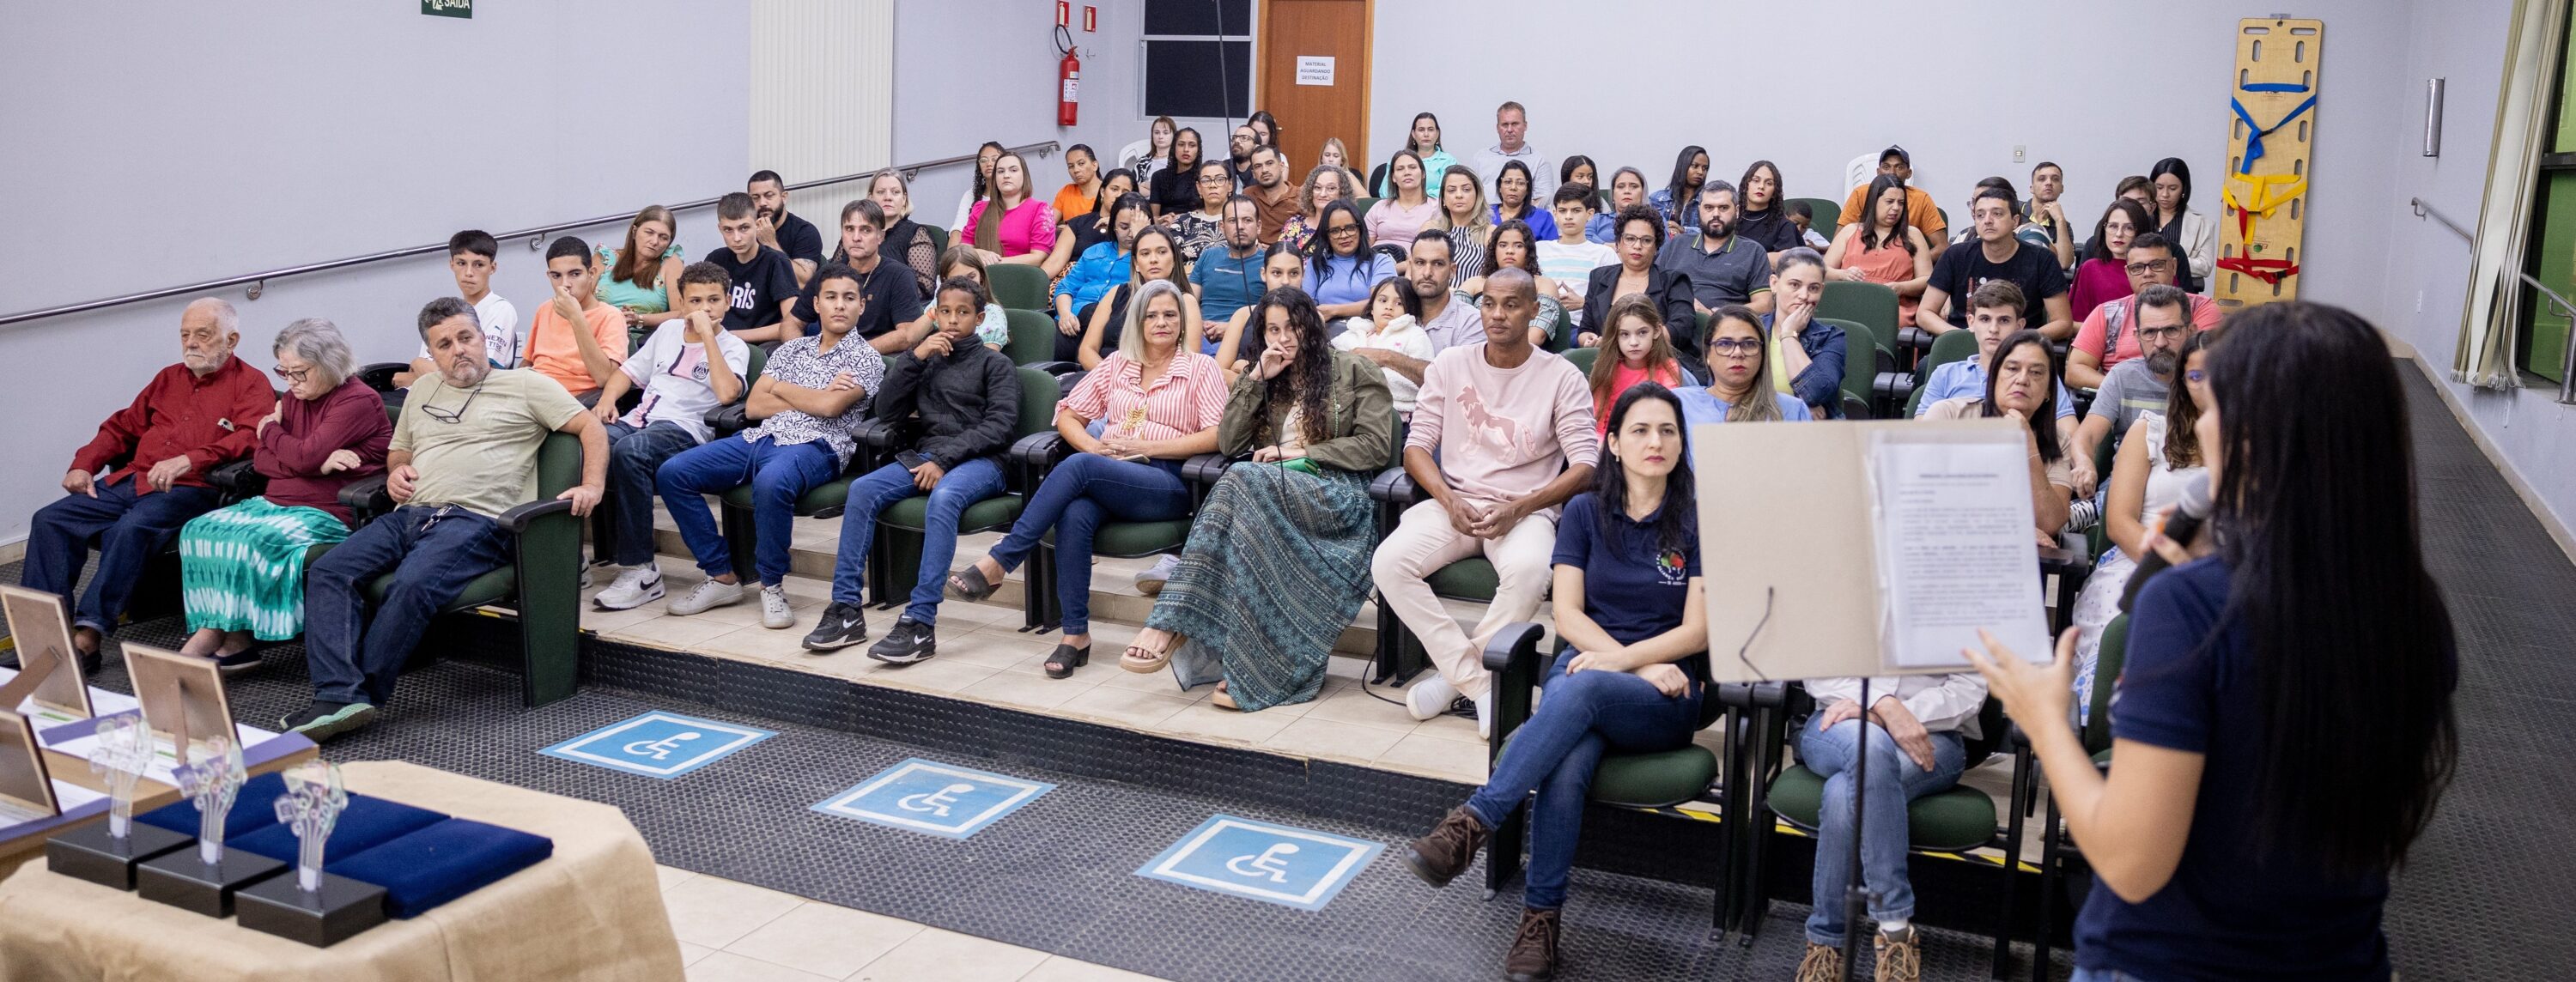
<point>1068,106</point>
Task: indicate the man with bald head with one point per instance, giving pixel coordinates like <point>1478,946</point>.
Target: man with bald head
<point>1502,434</point>
<point>192,417</point>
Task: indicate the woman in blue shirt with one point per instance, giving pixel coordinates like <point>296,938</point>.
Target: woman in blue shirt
<point>1633,678</point>
<point>1340,269</point>
<point>2283,728</point>
<point>1740,389</point>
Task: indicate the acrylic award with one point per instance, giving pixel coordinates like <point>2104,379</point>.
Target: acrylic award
<point>204,879</point>
<point>311,906</point>
<point>108,853</point>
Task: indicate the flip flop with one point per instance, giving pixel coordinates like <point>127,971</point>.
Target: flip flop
<point>969,585</point>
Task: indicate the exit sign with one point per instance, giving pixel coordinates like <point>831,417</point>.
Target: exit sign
<point>448,8</point>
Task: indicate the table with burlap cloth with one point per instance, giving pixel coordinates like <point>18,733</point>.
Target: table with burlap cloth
<point>591,911</point>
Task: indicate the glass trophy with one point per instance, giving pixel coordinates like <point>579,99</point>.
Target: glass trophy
<point>108,854</point>
<point>205,880</point>
<point>312,906</point>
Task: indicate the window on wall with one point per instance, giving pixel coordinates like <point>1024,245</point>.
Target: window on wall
<point>1198,58</point>
<point>2551,253</point>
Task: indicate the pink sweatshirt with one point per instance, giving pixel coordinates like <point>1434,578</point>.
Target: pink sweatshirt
<point>1503,433</point>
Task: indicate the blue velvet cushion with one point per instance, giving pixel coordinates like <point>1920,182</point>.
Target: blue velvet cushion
<point>440,863</point>
<point>254,808</point>
<point>369,822</point>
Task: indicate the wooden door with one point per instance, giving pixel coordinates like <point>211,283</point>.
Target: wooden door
<point>1330,40</point>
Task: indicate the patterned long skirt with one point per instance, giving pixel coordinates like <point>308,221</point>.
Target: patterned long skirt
<point>242,568</point>
<point>1277,564</point>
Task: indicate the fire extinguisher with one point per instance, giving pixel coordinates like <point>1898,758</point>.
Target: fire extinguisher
<point>1068,106</point>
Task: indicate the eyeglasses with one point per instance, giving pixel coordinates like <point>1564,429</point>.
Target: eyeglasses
<point>448,416</point>
<point>1736,347</point>
<point>2150,266</point>
<point>296,376</point>
<point>1642,240</point>
<point>2173,331</point>
<point>1339,230</point>
<point>2196,375</point>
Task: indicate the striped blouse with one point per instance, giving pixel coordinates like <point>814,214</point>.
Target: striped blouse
<point>1189,397</point>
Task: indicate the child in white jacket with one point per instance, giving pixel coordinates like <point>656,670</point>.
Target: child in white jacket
<point>1393,324</point>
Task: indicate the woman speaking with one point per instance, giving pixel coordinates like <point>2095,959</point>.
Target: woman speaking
<point>2283,726</point>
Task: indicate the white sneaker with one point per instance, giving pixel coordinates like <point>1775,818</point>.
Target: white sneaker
<point>773,608</point>
<point>1150,582</point>
<point>1430,697</point>
<point>1485,714</point>
<point>708,596</point>
<point>633,588</point>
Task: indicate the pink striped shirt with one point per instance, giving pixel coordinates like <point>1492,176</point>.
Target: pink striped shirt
<point>1189,397</point>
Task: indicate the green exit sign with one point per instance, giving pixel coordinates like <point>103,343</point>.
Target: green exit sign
<point>448,8</point>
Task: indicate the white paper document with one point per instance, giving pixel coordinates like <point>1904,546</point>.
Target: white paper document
<point>1956,549</point>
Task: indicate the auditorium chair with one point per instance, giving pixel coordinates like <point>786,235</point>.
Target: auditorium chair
<point>603,538</point>
<point>894,553</point>
<point>938,239</point>
<point>1473,579</point>
<point>1583,359</point>
<point>1037,454</point>
<point>2096,734</point>
<point>1032,344</point>
<point>1862,359</point>
<point>1018,286</point>
<point>1949,347</point>
<point>1828,215</point>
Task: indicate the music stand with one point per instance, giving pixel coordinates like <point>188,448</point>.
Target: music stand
<point>182,696</point>
<point>48,670</point>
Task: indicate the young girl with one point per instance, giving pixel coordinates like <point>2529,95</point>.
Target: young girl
<point>1643,353</point>
<point>1393,324</point>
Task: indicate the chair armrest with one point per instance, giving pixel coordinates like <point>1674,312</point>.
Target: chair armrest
<point>380,375</point>
<point>1059,369</point>
<point>517,519</point>
<point>2064,561</point>
<point>237,480</point>
<point>1202,470</point>
<point>1395,487</point>
<point>1513,658</point>
<point>1033,456</point>
<point>1910,336</point>
<point>1892,386</point>
<point>878,433</point>
<point>728,419</point>
<point>367,495</point>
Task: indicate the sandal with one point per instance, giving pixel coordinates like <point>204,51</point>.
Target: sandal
<point>969,585</point>
<point>1138,660</point>
<point>1065,660</point>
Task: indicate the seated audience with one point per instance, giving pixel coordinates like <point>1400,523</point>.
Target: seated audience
<point>1226,340</point>
<point>1081,189</point>
<point>1569,259</point>
<point>1227,278</point>
<point>1273,198</point>
<point>1341,268</point>
<point>1627,190</point>
<point>1152,154</point>
<point>2139,385</point>
<point>574,339</point>
<point>961,262</point>
<point>1115,314</point>
<point>1393,323</point>
<point>1338,157</point>
<point>2136,187</point>
<point>1640,350</point>
<point>1265,127</point>
<point>1916,729</point>
<point>1995,255</point>
<point>1012,225</point>
<point>887,301</point>
<point>471,256</point>
<point>1424,146</point>
<point>962,400</point>
<point>189,419</point>
<point>642,277</point>
<point>2019,378</point>
<point>2044,215</point>
<point>1883,249</point>
<point>905,238</point>
<point>1576,169</point>
<point>1673,201</point>
<point>1994,313</point>
<point>1514,246</point>
<point>1510,123</point>
<point>1512,201</point>
<point>1100,267</point>
<point>1502,434</point>
<point>985,157</point>
<point>1803,215</point>
<point>1763,217</point>
<point>1448,316</point>
<point>1811,353</point>
<point>1742,386</point>
<point>2103,276</point>
<point>781,230</point>
<point>1464,220</point>
<point>456,462</point>
<point>1160,403</point>
<point>1277,560</point>
<point>1326,183</point>
<point>1633,677</point>
<point>1174,188</point>
<point>1724,268</point>
<point>1920,212</point>
<point>2104,341</point>
<point>688,366</point>
<point>241,568</point>
<point>1076,234</point>
<point>1197,229</point>
<point>1238,162</point>
<point>2159,454</point>
<point>808,402</point>
<point>2192,235</point>
<point>764,284</point>
<point>1640,233</point>
<point>1398,218</point>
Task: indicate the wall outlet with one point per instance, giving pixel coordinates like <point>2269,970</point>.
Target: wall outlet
<point>2019,152</point>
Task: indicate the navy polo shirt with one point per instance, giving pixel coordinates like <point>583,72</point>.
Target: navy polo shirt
<point>1630,588</point>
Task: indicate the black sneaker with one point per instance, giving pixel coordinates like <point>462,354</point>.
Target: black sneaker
<point>908,641</point>
<point>1461,706</point>
<point>324,720</point>
<point>93,663</point>
<point>842,625</point>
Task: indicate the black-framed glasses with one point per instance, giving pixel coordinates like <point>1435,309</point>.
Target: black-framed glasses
<point>1735,347</point>
<point>2150,266</point>
<point>296,376</point>
<point>447,416</point>
<point>1642,240</point>
<point>2169,331</point>
<point>1343,229</point>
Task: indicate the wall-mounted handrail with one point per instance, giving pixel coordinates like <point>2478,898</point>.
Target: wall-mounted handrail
<point>538,234</point>
<point>2424,209</point>
<point>2567,354</point>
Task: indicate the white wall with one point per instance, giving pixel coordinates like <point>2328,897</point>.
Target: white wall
<point>144,146</point>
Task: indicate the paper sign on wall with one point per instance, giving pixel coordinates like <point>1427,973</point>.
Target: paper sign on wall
<point>1314,70</point>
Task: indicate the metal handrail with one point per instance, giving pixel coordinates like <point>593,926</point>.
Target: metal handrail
<point>257,281</point>
<point>2425,209</point>
<point>2567,356</point>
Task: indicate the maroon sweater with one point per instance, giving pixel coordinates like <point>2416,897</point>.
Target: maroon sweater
<point>291,450</point>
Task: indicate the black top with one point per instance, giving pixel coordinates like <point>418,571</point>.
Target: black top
<point>1671,292</point>
<point>968,401</point>
<point>1771,227</point>
<point>799,239</point>
<point>1963,267</point>
<point>1175,192</point>
<point>893,300</point>
<point>758,286</point>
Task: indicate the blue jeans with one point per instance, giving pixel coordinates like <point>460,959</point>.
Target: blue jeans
<point>634,456</point>
<point>777,475</point>
<point>1894,781</point>
<point>1075,498</point>
<point>1580,717</point>
<point>127,528</point>
<point>963,485</point>
<point>432,552</point>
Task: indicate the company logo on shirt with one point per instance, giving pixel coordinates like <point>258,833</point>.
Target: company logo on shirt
<point>1670,566</point>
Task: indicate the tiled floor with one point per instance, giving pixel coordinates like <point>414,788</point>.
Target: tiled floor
<point>735,932</point>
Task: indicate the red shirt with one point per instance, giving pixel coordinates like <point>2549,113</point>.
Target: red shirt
<point>291,453</point>
<point>212,420</point>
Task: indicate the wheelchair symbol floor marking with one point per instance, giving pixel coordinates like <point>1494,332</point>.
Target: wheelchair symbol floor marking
<point>1267,865</point>
<point>935,804</point>
<point>691,742</point>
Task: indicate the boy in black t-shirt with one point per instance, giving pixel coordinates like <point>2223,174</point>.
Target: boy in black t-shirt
<point>1995,254</point>
<point>764,282</point>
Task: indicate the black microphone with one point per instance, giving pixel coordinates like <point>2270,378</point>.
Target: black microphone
<point>2183,527</point>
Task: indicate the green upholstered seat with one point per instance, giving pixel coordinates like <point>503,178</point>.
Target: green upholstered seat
<point>1018,287</point>
<point>492,587</point>
<point>1033,336</point>
<point>1127,540</point>
<point>1956,819</point>
<point>1660,779</point>
<point>1860,357</point>
<point>991,513</point>
<point>1872,305</point>
<point>1826,214</point>
<point>1583,358</point>
<point>1472,578</point>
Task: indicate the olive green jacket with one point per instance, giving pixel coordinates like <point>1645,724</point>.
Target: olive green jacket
<point>1361,418</point>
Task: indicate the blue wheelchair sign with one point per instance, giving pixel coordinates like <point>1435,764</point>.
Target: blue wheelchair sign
<point>928,796</point>
<point>1291,867</point>
<point>658,744</point>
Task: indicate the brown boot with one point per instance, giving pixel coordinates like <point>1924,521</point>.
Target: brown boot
<point>1900,956</point>
<point>1449,848</point>
<point>1822,964</point>
<point>1533,954</point>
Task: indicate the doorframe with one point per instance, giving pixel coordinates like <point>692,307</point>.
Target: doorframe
<point>1368,54</point>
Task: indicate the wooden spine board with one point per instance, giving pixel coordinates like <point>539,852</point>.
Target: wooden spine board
<point>2287,56</point>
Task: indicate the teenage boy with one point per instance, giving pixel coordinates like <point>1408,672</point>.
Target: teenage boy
<point>893,299</point>
<point>682,377</point>
<point>1571,258</point>
<point>575,339</point>
<point>1993,253</point>
<point>471,256</point>
<point>1994,313</point>
<point>764,281</point>
<point>796,237</point>
<point>967,400</point>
